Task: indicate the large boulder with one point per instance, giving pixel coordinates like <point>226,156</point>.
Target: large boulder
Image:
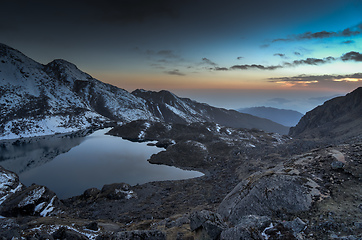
<point>9,184</point>
<point>249,228</point>
<point>36,200</point>
<point>269,194</point>
<point>64,233</point>
<point>117,191</point>
<point>207,225</point>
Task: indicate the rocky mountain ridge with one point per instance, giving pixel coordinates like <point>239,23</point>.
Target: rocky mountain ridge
<point>38,99</point>
<point>338,119</point>
<point>172,109</point>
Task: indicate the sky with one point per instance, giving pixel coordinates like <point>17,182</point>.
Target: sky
<point>231,53</point>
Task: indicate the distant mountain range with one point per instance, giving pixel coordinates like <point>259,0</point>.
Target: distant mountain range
<point>285,117</point>
<point>37,99</point>
<point>338,119</point>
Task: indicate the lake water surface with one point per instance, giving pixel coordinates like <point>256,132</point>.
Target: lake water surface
<point>98,159</point>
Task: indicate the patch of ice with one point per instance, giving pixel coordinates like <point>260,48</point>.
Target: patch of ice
<point>197,144</point>
<point>218,128</point>
<point>187,117</point>
<point>142,133</point>
<point>266,236</point>
<point>48,209</point>
<point>129,194</point>
<point>50,229</point>
<point>39,207</point>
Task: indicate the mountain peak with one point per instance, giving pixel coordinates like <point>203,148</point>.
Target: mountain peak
<point>66,71</point>
<point>62,62</point>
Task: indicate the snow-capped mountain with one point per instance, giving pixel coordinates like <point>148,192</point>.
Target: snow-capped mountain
<point>37,99</point>
<point>171,108</point>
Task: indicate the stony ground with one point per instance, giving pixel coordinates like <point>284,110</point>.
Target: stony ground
<point>256,186</point>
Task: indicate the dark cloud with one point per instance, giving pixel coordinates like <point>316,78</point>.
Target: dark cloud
<point>167,54</point>
<point>310,61</point>
<point>221,69</point>
<point>282,55</point>
<point>163,54</point>
<point>348,42</point>
<point>254,66</point>
<point>352,56</point>
<point>319,78</point>
<point>175,72</point>
<point>157,66</point>
<point>348,32</point>
<point>307,61</point>
<point>297,54</point>
<point>264,45</point>
<point>208,61</point>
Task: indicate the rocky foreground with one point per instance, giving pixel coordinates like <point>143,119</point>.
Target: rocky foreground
<point>256,185</point>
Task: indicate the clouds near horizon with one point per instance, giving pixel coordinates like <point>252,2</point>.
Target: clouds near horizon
<point>348,32</point>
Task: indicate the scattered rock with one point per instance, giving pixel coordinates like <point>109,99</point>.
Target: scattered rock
<point>358,225</point>
<point>277,232</point>
<point>117,191</point>
<point>92,226</point>
<point>208,225</point>
<point>164,143</point>
<point>68,234</point>
<point>91,193</point>
<point>178,222</point>
<point>336,165</point>
<point>249,228</point>
<point>139,235</point>
<point>297,225</point>
<point>9,228</point>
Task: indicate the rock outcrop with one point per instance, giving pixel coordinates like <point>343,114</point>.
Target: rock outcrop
<point>269,194</point>
<point>33,201</point>
<point>336,120</point>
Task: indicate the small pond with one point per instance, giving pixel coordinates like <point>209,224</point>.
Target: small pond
<point>78,163</point>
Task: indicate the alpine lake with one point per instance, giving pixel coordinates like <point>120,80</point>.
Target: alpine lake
<point>68,164</point>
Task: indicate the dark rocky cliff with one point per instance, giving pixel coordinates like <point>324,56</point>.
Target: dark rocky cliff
<point>338,119</point>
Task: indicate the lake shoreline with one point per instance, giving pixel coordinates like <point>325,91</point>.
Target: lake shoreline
<point>90,159</point>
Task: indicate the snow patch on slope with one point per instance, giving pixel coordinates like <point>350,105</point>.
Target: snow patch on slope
<point>9,184</point>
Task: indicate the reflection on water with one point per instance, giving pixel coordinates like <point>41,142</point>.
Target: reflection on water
<point>100,159</point>
<point>23,154</point>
